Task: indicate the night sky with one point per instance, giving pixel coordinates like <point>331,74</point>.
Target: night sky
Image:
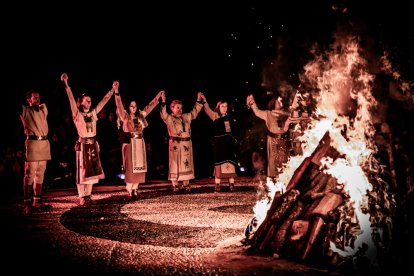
<point>220,49</point>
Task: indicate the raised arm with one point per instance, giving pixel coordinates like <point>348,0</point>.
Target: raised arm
<point>74,108</point>
<point>119,106</point>
<point>106,98</point>
<point>163,112</point>
<point>252,103</point>
<point>287,124</point>
<point>153,103</point>
<point>198,106</point>
<point>210,113</point>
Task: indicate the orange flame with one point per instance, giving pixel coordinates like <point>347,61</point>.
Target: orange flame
<point>344,102</point>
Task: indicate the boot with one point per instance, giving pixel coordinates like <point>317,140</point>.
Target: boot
<point>82,201</point>
<point>27,198</point>
<point>85,201</point>
<point>133,194</point>
<point>187,188</point>
<point>217,188</point>
<point>89,200</point>
<point>175,189</point>
<point>38,204</point>
<point>28,209</point>
<point>231,186</point>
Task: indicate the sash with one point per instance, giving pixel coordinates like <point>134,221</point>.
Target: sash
<point>138,155</point>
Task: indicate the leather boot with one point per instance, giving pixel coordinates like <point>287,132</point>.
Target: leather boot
<point>217,188</point>
<point>28,209</point>
<point>39,205</point>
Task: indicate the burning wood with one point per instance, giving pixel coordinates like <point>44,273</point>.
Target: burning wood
<point>301,220</point>
<point>334,201</point>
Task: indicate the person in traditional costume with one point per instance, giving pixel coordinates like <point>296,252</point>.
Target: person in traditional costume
<point>277,123</point>
<point>180,147</point>
<point>88,164</point>
<point>224,144</point>
<point>134,157</point>
<point>37,151</point>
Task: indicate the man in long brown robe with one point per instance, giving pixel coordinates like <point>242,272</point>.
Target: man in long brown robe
<point>180,149</point>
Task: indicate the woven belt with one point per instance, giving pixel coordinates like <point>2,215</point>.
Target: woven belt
<point>179,139</point>
<point>277,136</point>
<point>132,135</point>
<point>34,137</point>
<point>129,136</point>
<point>87,140</point>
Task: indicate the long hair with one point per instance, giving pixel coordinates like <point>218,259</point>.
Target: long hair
<point>217,108</point>
<point>80,99</point>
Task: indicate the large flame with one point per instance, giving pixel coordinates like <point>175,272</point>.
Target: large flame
<point>344,101</point>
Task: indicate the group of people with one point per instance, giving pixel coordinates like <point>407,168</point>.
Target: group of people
<point>88,164</point>
<point>134,157</point>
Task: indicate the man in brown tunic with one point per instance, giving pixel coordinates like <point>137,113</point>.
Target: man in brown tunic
<point>37,151</point>
<point>180,148</point>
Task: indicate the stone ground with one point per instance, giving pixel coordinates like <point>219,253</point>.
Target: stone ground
<point>196,233</point>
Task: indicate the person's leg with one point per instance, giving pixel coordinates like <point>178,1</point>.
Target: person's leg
<point>38,186</point>
<point>231,184</point>
<point>81,193</point>
<point>132,189</point>
<point>88,189</point>
<point>218,185</point>
<point>186,184</point>
<point>135,190</point>
<point>88,193</point>
<point>29,176</point>
<point>129,187</point>
<point>174,185</point>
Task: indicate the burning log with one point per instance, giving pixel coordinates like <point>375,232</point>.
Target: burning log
<point>298,217</point>
<point>279,241</point>
<point>266,230</point>
<point>328,203</point>
<point>316,226</point>
<point>318,153</point>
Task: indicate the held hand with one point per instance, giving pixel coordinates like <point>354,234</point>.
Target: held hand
<point>64,77</point>
<point>199,96</point>
<point>249,99</point>
<point>115,86</point>
<point>162,95</point>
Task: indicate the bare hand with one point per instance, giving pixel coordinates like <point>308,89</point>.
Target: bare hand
<point>115,85</point>
<point>64,77</point>
<point>200,95</point>
<point>162,95</point>
<point>250,100</point>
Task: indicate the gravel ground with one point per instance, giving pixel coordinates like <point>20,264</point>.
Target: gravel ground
<point>197,233</point>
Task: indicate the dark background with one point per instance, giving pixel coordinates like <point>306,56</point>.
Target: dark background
<point>222,49</point>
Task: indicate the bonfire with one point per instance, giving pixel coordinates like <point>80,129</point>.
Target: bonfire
<point>331,204</point>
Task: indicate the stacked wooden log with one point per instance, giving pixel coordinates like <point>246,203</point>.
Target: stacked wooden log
<point>304,219</point>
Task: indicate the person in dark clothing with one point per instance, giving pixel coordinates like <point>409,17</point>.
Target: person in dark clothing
<point>224,144</point>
